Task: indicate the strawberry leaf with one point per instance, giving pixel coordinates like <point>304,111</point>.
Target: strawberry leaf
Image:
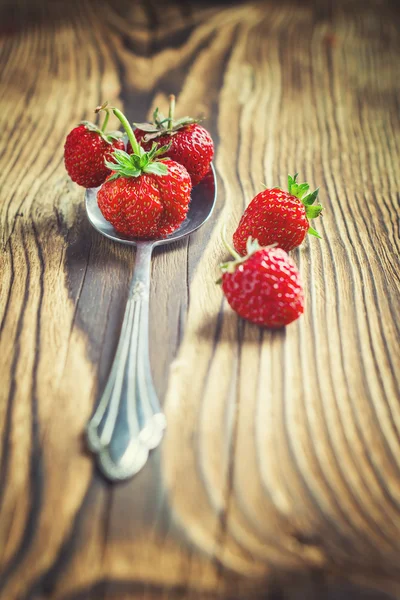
<point>90,126</point>
<point>301,190</point>
<point>113,177</point>
<point>121,155</point>
<point>291,182</point>
<point>162,149</point>
<point>158,117</point>
<point>311,198</point>
<point>93,128</point>
<point>297,189</point>
<point>123,170</point>
<point>312,212</point>
<point>149,127</point>
<point>313,232</point>
<point>152,136</point>
<point>183,122</point>
<point>153,150</point>
<point>156,168</point>
<point>114,135</point>
<point>125,161</point>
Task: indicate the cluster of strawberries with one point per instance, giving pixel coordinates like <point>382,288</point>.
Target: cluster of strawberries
<point>145,189</point>
<point>145,193</point>
<point>262,283</point>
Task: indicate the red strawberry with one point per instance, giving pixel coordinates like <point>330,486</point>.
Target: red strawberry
<point>144,197</point>
<point>86,148</point>
<point>264,287</point>
<point>190,144</point>
<point>276,216</point>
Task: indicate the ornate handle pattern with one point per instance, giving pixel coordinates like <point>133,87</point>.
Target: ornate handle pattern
<point>128,421</point>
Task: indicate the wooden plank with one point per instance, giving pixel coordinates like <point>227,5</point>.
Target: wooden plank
<point>279,474</point>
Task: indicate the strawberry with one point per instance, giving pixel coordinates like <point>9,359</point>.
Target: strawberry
<point>144,197</point>
<point>276,216</point>
<point>86,148</point>
<point>264,286</point>
<point>190,144</point>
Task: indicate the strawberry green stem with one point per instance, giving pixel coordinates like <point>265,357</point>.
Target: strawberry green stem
<point>171,110</point>
<point>105,122</point>
<point>229,248</point>
<point>129,131</point>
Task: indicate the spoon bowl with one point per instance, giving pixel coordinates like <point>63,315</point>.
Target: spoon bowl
<point>128,421</point>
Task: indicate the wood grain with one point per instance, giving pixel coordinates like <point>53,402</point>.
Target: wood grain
<point>279,474</point>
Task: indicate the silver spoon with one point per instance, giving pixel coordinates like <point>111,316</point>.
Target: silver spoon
<point>128,421</point>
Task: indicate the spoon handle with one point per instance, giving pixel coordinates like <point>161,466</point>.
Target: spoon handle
<point>128,421</point>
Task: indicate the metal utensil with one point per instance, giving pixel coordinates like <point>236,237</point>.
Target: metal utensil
<point>128,421</point>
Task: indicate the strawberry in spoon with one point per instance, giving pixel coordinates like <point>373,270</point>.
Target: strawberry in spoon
<point>145,196</point>
<point>188,143</point>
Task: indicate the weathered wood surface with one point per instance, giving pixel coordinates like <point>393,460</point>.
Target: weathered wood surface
<point>279,475</point>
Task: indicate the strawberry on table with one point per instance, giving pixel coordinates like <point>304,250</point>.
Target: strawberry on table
<point>275,216</point>
<point>190,144</point>
<point>86,148</point>
<point>145,196</point>
<point>264,286</point>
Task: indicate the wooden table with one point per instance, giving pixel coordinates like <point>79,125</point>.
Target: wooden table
<point>279,475</point>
